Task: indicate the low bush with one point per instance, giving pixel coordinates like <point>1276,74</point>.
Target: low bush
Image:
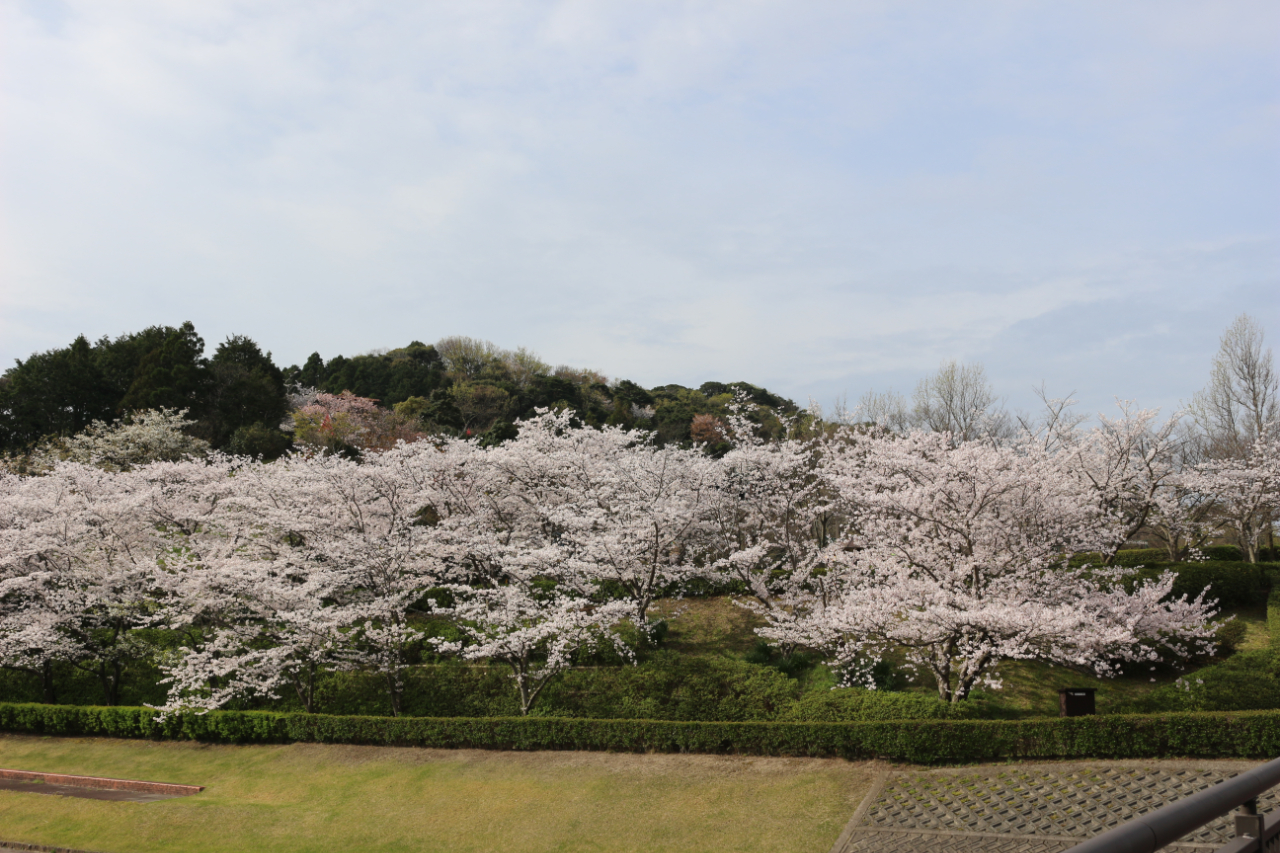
<point>1232,584</point>
<point>667,686</point>
<point>852,703</point>
<point>673,686</point>
<point>1243,682</point>
<point>1273,619</point>
<point>1200,735</point>
<point>1228,637</point>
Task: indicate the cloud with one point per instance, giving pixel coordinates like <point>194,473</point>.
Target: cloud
<point>819,198</point>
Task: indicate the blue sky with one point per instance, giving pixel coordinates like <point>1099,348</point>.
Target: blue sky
<point>818,197</point>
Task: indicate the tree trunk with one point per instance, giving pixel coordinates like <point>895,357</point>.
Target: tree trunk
<point>46,678</point>
<point>394,691</point>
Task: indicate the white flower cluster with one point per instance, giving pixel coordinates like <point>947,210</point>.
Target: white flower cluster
<point>854,541</point>
<point>155,435</point>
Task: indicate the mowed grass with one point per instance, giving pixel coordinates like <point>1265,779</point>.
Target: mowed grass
<point>708,626</point>
<point>312,797</point>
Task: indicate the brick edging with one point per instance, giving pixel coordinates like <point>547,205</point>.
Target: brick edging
<point>102,782</point>
<point>38,848</point>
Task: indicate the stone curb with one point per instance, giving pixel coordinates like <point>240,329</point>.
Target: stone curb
<point>6,846</point>
<point>101,782</point>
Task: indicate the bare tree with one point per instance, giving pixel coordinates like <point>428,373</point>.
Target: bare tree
<point>884,408</point>
<point>1241,403</point>
<point>959,400</point>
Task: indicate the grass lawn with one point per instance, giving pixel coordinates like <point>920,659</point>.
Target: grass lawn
<point>311,797</point>
<point>708,626</point>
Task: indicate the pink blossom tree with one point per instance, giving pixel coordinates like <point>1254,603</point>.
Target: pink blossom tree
<point>958,558</point>
<point>1128,462</point>
<point>83,562</point>
<point>631,515</point>
<point>1245,492</point>
<point>771,515</point>
<point>536,633</point>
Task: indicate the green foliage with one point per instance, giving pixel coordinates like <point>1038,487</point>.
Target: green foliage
<point>477,387</point>
<point>390,377</point>
<point>259,440</point>
<point>1141,557</point>
<point>1228,636</point>
<point>58,392</point>
<point>672,686</point>
<point>75,686</point>
<point>247,390</point>
<point>171,376</point>
<point>62,391</point>
<point>930,741</point>
<point>1273,625</point>
<point>1232,583</point>
<point>1243,682</point>
<point>855,703</point>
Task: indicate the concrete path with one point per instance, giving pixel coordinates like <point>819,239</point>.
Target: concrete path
<point>1028,808</point>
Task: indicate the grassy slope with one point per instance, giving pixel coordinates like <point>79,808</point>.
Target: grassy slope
<point>310,797</point>
<point>717,626</point>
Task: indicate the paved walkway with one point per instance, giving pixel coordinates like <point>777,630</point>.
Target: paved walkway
<point>1028,808</point>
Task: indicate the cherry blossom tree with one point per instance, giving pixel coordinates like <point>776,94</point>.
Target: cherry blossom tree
<point>958,558</point>
<point>78,571</point>
<point>626,513</point>
<point>504,528</point>
<point>1183,519</point>
<point>536,633</point>
<point>313,562</point>
<point>1245,492</point>
<point>1128,463</point>
<point>771,517</point>
<point>151,435</point>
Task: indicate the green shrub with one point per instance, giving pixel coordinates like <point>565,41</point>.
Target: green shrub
<point>1273,624</point>
<point>854,703</point>
<point>1228,636</point>
<point>1141,557</point>
<point>1230,584</point>
<point>1201,735</point>
<point>1223,553</point>
<point>1127,559</point>
<point>1242,682</point>
<point>672,686</point>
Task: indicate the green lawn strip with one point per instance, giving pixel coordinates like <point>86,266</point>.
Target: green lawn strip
<point>313,797</point>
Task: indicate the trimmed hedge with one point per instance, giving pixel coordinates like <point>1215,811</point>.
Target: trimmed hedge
<point>1232,584</point>
<point>849,704</point>
<point>1273,620</point>
<point>1201,735</point>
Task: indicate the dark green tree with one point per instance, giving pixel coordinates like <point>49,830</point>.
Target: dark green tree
<point>312,373</point>
<point>246,388</point>
<point>173,376</point>
<point>58,392</point>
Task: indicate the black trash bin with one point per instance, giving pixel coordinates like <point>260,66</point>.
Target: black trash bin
<point>1077,701</point>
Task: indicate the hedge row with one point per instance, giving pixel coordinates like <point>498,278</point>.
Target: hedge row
<point>1201,735</point>
<point>1273,620</point>
<point>1230,584</point>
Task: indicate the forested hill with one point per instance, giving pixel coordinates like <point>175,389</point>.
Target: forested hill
<point>239,397</point>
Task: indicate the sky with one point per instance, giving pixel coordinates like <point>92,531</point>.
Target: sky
<point>818,197</point>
